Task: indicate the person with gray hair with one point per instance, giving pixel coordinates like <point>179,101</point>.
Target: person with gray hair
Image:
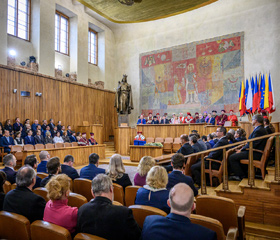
<point>22,200</point>
<point>235,167</point>
<point>44,158</point>
<point>10,162</point>
<point>101,218</point>
<point>177,224</point>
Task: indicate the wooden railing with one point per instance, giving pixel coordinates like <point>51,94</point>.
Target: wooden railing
<point>251,170</point>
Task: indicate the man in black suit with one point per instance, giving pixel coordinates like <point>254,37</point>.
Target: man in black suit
<point>186,148</point>
<point>54,168</point>
<point>235,167</point>
<point>39,139</point>
<point>195,145</point>
<point>17,125</point>
<point>164,120</point>
<point>101,218</point>
<point>177,224</point>
<point>177,176</point>
<point>44,125</point>
<point>218,155</point>
<point>22,200</point>
<point>51,124</point>
<point>10,162</point>
<point>32,161</point>
<point>7,142</point>
<point>67,167</point>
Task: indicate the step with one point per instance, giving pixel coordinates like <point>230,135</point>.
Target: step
<point>210,191</point>
<point>259,184</point>
<point>270,171</point>
<point>263,230</point>
<point>269,178</point>
<point>233,187</point>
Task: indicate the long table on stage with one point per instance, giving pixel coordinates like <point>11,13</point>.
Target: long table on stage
<point>97,129</point>
<point>137,152</point>
<point>80,153</point>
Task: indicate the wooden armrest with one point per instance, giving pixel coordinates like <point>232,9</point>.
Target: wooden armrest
<point>232,233</point>
<point>241,222</point>
<point>255,150</point>
<point>241,211</point>
<point>213,160</point>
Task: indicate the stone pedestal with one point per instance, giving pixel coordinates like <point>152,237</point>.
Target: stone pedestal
<point>123,118</point>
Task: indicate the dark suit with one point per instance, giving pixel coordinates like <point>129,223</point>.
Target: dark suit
<point>9,128</point>
<point>196,147</point>
<point>46,180</point>
<point>34,127</point>
<point>16,126</point>
<point>42,167</point>
<point>44,126</point>
<point>235,167</point>
<point>72,138</point>
<point>58,127</point>
<point>11,174</point>
<point>200,120</point>
<point>69,133</point>
<point>164,121</point>
<point>38,182</point>
<point>24,202</point>
<point>155,122</point>
<point>2,197</point>
<point>29,140</point>
<point>178,177</point>
<point>51,125</point>
<point>4,142</point>
<point>124,181</point>
<point>186,149</point>
<point>39,139</point>
<point>69,171</point>
<point>90,171</point>
<point>100,217</point>
<point>174,227</point>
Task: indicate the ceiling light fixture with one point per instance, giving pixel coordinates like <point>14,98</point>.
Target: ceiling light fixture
<point>129,2</point>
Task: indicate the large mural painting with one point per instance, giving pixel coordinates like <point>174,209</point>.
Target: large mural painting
<point>194,77</point>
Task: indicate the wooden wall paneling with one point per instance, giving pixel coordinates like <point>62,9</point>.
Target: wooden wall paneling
<point>137,152</point>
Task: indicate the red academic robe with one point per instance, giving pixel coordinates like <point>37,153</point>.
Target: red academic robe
<point>222,120</point>
<point>92,141</point>
<point>83,142</point>
<point>233,119</point>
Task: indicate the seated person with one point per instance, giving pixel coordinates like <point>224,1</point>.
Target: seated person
<point>235,167</point>
<point>149,118</point>
<point>65,137</point>
<point>155,120</point>
<point>177,224</point>
<point>232,118</point>
<point>154,194</point>
<point>195,145</point>
<point>58,138</point>
<point>139,136</point>
<point>200,119</point>
<point>91,170</point>
<point>3,178</point>
<point>54,131</point>
<point>92,140</point>
<point>214,118</point>
<point>208,145</point>
<point>177,176</point>
<point>54,168</point>
<point>79,136</point>
<point>67,167</point>
<point>57,211</point>
<point>29,139</point>
<point>202,144</point>
<point>35,125</point>
<point>59,126</point>
<point>175,120</point>
<point>230,138</point>
<point>18,139</point>
<point>7,142</point>
<point>240,135</point>
<point>39,139</point>
<point>44,158</point>
<point>31,161</point>
<point>48,138</point>
<point>116,171</point>
<point>223,118</point>
<point>22,200</point>
<point>73,137</point>
<point>83,140</point>
<point>44,125</point>
<point>10,162</point>
<point>215,139</point>
<point>69,131</point>
<point>268,127</point>
<point>164,120</point>
<point>51,124</point>
<point>142,120</point>
<point>145,164</point>
<point>8,126</point>
<point>210,139</point>
<point>186,148</point>
<point>189,118</point>
<point>48,130</point>
<point>101,218</point>
<point>182,118</point>
<point>208,118</point>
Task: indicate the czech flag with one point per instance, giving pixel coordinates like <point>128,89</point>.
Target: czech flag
<point>255,96</point>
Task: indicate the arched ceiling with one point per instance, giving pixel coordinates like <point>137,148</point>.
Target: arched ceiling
<point>146,10</point>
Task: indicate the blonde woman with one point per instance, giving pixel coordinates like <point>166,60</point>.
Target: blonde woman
<point>145,164</point>
<point>154,194</point>
<point>57,211</point>
<point>116,171</point>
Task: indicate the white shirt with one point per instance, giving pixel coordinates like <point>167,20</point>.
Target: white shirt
<point>58,139</point>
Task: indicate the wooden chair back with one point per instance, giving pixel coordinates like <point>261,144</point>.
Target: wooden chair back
<point>118,193</point>
<point>43,192</point>
<point>116,203</point>
<point>82,186</point>
<point>209,223</point>
<point>67,144</point>
<point>13,186</point>
<point>28,147</point>
<point>41,230</point>
<point>16,148</point>
<point>159,140</point>
<point>177,140</point>
<point>71,184</point>
<point>86,236</point>
<point>49,146</point>
<point>150,140</point>
<point>168,140</point>
<point>190,161</point>
<point>42,175</point>
<point>130,195</point>
<point>39,146</point>
<point>7,187</point>
<point>76,200</point>
<point>74,144</point>
<point>14,226</point>
<point>176,144</point>
<point>140,212</point>
<point>59,145</point>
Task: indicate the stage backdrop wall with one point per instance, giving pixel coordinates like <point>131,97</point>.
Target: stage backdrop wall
<point>193,77</point>
<point>70,102</point>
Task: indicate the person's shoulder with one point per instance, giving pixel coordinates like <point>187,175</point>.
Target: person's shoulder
<point>203,232</point>
<point>149,220</point>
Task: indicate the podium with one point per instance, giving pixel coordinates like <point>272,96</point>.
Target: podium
<point>137,152</point>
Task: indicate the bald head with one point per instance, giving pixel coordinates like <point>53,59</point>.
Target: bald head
<point>181,198</point>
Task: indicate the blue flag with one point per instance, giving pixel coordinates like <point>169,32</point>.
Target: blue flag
<point>262,90</point>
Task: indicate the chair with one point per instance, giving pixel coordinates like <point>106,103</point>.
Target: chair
<point>159,140</point>
<point>140,212</point>
<point>224,210</point>
<point>42,175</point>
<point>130,195</point>
<point>13,186</point>
<point>76,200</point>
<point>39,146</point>
<point>75,144</point>
<point>215,226</point>
<point>86,236</point>
<point>71,183</point>
<point>59,145</point>
<point>7,187</point>
<point>49,146</point>
<point>265,155</point>
<point>118,193</point>
<point>16,150</point>
<point>2,153</point>
<point>150,140</point>
<point>41,230</point>
<point>176,144</point>
<point>14,226</point>
<point>83,186</point>
<point>116,203</point>
<point>190,161</point>
<point>28,147</point>
<point>42,192</point>
<point>67,144</point>
<point>167,145</point>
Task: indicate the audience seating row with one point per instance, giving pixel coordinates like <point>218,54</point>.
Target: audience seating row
<point>169,144</point>
<point>18,148</point>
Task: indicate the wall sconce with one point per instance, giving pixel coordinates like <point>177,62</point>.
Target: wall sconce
<point>37,94</point>
<point>12,53</point>
<point>14,90</point>
<point>59,67</point>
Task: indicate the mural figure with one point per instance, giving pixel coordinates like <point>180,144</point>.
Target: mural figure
<point>177,91</point>
<point>150,60</point>
<point>191,85</point>
<point>123,97</point>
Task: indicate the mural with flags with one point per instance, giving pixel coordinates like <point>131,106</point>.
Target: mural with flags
<point>256,95</point>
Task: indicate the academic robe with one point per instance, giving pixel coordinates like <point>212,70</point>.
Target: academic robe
<point>222,119</point>
<point>83,142</point>
<point>233,119</point>
<point>92,141</point>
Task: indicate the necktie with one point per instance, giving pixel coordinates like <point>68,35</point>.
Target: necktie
<point>141,121</point>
